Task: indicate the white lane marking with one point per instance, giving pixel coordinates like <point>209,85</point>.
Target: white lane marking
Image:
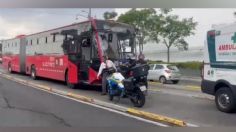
<point>192,125</point>
<point>109,109</point>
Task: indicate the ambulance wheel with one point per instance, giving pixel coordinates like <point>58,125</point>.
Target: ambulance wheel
<point>70,85</point>
<point>33,73</point>
<point>225,100</point>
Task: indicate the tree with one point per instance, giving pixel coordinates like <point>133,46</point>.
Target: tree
<point>141,20</point>
<point>109,15</point>
<point>173,31</point>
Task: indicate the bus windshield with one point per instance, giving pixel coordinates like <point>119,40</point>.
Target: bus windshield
<point>119,47</point>
<point>117,41</point>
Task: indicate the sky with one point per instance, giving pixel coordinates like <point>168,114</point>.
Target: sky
<point>205,18</point>
<point>15,21</point>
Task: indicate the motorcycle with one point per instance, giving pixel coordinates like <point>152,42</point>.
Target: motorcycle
<point>132,86</point>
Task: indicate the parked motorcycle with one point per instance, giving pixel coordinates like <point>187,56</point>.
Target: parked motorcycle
<point>134,84</point>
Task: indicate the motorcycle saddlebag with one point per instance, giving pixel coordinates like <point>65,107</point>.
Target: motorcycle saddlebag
<point>128,84</point>
<point>140,70</point>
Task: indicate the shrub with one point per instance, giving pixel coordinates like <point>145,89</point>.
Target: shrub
<point>195,65</point>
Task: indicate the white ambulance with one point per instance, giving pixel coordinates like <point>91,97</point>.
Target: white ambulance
<point>219,70</point>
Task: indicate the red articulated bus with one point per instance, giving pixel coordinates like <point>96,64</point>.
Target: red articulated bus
<point>71,53</point>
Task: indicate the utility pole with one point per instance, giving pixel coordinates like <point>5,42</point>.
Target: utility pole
<point>90,12</point>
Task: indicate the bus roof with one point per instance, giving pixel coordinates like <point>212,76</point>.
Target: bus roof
<point>110,21</point>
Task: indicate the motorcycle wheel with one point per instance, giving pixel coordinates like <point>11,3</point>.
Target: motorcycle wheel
<point>139,100</point>
<point>109,94</point>
<point>111,97</point>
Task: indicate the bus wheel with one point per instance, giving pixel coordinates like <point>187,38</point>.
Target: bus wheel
<point>33,73</point>
<point>225,100</point>
<point>70,85</point>
<point>9,68</point>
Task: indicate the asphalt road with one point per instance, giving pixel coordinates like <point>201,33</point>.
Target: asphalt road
<point>169,100</point>
<point>201,112</point>
<point>24,106</point>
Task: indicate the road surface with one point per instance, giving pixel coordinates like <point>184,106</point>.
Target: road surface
<point>24,106</point>
<point>177,101</point>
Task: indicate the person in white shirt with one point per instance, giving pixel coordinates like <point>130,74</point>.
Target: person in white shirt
<point>105,65</point>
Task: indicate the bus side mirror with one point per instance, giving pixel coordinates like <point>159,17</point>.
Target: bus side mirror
<point>110,37</point>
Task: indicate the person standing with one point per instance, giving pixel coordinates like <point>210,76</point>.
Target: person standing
<point>141,58</point>
<point>103,71</point>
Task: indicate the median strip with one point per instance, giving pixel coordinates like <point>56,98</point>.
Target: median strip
<point>40,86</point>
<point>194,88</point>
<point>188,87</point>
<point>131,111</point>
<point>157,118</point>
<point>154,82</point>
<point>82,98</point>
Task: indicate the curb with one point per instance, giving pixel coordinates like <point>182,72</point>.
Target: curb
<point>187,87</point>
<point>194,87</point>
<point>193,77</point>
<point>142,114</point>
<point>151,82</point>
<point>157,118</point>
<point>188,95</point>
<point>79,97</point>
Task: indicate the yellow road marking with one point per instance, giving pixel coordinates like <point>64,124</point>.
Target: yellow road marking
<point>154,82</point>
<point>43,87</point>
<point>194,88</point>
<point>156,117</point>
<point>152,89</point>
<point>83,98</point>
<point>188,87</point>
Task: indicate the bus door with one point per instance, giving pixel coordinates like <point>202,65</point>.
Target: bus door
<point>78,49</point>
<point>71,48</point>
<point>74,58</point>
<point>85,49</point>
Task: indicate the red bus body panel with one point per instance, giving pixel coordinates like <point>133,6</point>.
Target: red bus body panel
<point>48,66</point>
<point>73,73</point>
<point>93,77</point>
<point>12,60</point>
<point>53,67</point>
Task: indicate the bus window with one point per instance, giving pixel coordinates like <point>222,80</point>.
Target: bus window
<point>86,42</point>
<point>125,44</point>
<point>72,46</point>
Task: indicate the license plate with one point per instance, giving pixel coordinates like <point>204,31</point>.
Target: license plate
<point>143,88</point>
